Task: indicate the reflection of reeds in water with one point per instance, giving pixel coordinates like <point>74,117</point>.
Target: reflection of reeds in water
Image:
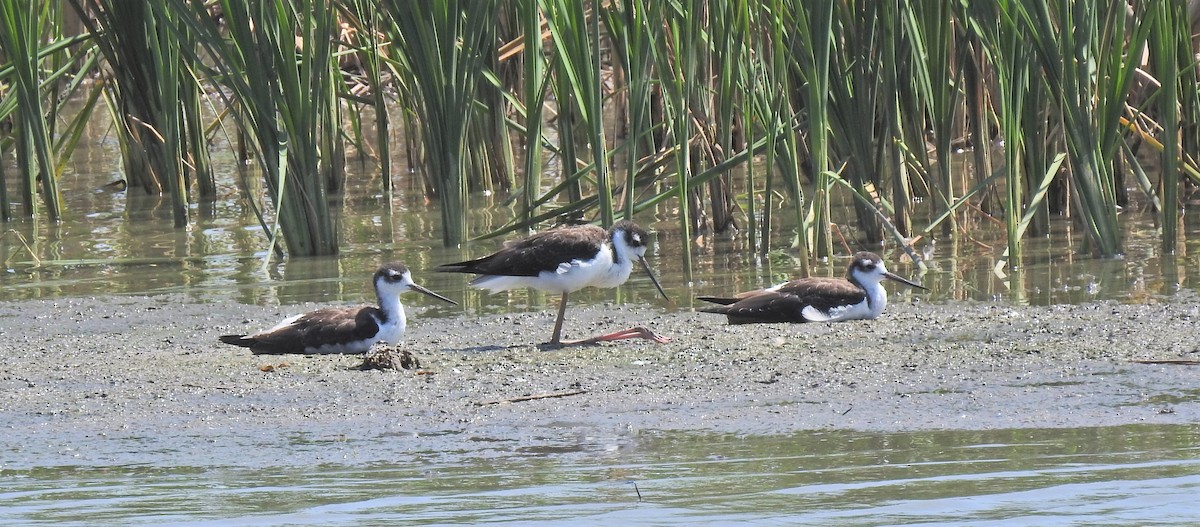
<point>730,112</point>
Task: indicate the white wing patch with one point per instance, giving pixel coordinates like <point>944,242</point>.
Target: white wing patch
<point>813,314</point>
<point>285,322</point>
<point>859,311</point>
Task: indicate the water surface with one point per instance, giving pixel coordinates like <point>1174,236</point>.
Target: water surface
<point>122,242</point>
<point>1143,475</point>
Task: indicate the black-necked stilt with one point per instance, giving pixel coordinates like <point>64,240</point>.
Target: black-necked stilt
<point>564,260</point>
<point>342,330</point>
<point>859,296</point>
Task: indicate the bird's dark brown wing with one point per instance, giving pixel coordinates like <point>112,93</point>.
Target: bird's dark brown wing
<point>315,329</point>
<point>786,302</point>
<point>824,294</point>
<point>543,251</point>
<point>765,308</point>
<point>727,300</point>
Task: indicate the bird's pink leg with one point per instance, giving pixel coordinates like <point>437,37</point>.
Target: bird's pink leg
<point>556,340</point>
<point>631,333</point>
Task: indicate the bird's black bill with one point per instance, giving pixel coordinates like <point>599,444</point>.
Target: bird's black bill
<point>897,278</point>
<point>653,279</point>
<point>420,289</point>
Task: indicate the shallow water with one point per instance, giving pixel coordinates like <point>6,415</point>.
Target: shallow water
<point>1143,475</point>
<point>119,242</point>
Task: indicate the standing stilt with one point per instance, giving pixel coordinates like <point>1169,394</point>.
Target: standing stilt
<point>564,260</point>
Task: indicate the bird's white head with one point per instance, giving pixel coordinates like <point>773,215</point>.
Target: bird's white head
<point>629,242</point>
<point>867,269</point>
<point>394,278</point>
<point>628,239</point>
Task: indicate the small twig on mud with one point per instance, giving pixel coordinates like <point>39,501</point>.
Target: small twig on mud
<point>550,395</point>
<point>190,385</point>
<point>1177,362</point>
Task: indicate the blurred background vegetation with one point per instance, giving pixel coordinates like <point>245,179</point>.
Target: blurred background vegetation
<point>935,117</point>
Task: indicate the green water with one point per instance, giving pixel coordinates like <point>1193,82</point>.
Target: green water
<point>1130,475</point>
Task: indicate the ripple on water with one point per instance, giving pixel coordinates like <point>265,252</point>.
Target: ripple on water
<point>1142,474</point>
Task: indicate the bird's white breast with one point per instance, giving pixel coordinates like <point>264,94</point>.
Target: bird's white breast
<point>351,347</point>
<point>392,331</point>
<point>869,309</point>
<point>857,311</point>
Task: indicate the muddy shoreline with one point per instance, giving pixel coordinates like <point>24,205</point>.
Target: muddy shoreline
<point>102,380</point>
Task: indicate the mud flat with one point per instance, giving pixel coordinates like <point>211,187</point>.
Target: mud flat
<point>118,380</point>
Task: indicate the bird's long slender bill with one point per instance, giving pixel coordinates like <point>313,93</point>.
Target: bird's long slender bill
<point>905,281</point>
<point>653,279</point>
<point>420,289</point>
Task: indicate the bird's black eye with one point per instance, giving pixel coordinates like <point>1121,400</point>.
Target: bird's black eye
<point>634,238</point>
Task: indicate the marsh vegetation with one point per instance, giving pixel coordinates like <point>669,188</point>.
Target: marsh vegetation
<point>723,115</point>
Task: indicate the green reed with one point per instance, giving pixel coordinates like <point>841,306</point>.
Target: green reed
<point>148,77</point>
<point>367,22</point>
<point>733,109</point>
<point>813,39</point>
<point>575,36</point>
<point>771,109</point>
<point>937,94</point>
<point>722,63</point>
<point>286,104</point>
<point>22,27</point>
<point>492,166</point>
<point>750,76</point>
<point>534,87</point>
<point>677,62</point>
<point>1088,62</point>
<point>1169,39</point>
<point>859,102</point>
<point>634,27</point>
<point>441,46</point>
<point>1013,67</point>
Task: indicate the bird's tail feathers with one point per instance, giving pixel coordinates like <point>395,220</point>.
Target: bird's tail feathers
<point>237,340</point>
<point>720,310</point>
<point>460,267</point>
